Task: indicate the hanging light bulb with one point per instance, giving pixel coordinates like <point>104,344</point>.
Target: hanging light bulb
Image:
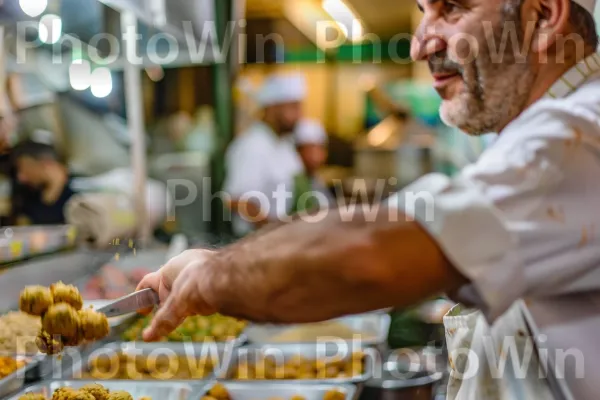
<point>102,84</point>
<point>50,28</point>
<point>33,8</point>
<point>80,73</point>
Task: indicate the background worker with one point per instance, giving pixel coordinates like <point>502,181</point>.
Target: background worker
<point>264,158</point>
<point>310,193</point>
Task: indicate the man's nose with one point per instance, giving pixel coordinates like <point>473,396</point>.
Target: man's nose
<point>423,47</point>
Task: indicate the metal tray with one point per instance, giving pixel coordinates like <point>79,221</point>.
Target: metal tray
<point>16,380</point>
<point>118,329</point>
<point>221,353</point>
<point>155,389</point>
<point>372,362</point>
<point>375,325</point>
<point>265,391</point>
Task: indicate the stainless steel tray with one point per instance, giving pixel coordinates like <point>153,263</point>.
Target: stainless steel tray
<point>16,380</point>
<point>268,390</point>
<point>284,352</point>
<point>119,328</point>
<point>157,390</point>
<point>220,353</point>
<point>374,326</point>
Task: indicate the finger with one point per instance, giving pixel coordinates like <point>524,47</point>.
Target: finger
<point>167,319</point>
<point>150,281</point>
<point>172,313</point>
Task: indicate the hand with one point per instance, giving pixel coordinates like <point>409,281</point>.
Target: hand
<point>178,285</point>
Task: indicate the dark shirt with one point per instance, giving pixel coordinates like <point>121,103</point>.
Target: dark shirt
<point>40,213</point>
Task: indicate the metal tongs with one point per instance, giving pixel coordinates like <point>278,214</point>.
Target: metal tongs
<point>143,299</point>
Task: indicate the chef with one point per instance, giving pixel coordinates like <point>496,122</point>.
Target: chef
<point>515,236</point>
<point>262,162</point>
<point>310,193</point>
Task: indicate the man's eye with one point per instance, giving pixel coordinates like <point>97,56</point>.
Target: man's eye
<point>450,7</point>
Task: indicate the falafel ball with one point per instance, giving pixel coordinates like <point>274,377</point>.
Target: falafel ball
<point>35,300</point>
<point>64,393</point>
<point>98,391</point>
<point>32,396</point>
<point>47,344</point>
<point>93,325</point>
<point>218,391</point>
<point>66,294</point>
<point>119,395</point>
<point>81,395</point>
<point>61,319</point>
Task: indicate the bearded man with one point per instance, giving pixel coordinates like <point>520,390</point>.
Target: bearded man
<point>521,223</point>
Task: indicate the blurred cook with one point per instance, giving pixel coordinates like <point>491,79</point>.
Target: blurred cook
<point>263,160</point>
<point>515,236</point>
<point>310,193</point>
<point>45,181</point>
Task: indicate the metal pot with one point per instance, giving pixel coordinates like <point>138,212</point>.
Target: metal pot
<point>398,382</point>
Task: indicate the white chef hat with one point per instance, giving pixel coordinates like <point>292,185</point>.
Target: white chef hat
<point>589,5</point>
<point>279,89</point>
<point>309,132</point>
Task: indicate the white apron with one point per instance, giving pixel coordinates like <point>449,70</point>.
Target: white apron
<point>493,363</point>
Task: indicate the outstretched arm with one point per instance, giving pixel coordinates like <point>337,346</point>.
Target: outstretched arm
<point>311,271</point>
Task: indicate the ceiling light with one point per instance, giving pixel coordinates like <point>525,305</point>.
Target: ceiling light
<point>348,22</point>
<point>102,84</point>
<point>33,8</point>
<point>80,73</point>
<point>50,28</point>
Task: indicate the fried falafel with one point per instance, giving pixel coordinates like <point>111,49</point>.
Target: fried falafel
<point>120,395</point>
<point>48,344</point>
<point>98,391</point>
<point>61,319</point>
<point>93,325</point>
<point>64,393</point>
<point>66,294</point>
<point>35,300</point>
<point>32,396</point>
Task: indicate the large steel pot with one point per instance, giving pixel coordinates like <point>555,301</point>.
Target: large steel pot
<point>400,381</point>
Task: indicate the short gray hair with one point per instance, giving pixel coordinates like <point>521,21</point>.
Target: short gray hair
<point>581,20</point>
<point>585,24</point>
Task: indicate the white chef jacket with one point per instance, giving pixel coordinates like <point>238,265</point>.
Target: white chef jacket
<point>523,222</point>
<point>260,164</point>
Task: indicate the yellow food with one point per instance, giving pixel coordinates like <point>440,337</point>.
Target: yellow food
<point>81,395</point>
<point>220,391</point>
<point>35,300</point>
<point>61,319</point>
<point>8,365</point>
<point>93,325</point>
<point>120,395</point>
<point>298,367</point>
<point>163,367</point>
<point>66,294</point>
<point>195,329</point>
<point>312,333</point>
<point>32,396</point>
<point>18,329</point>
<point>63,322</point>
<point>48,344</point>
<point>64,393</point>
<point>98,391</point>
<point>92,391</point>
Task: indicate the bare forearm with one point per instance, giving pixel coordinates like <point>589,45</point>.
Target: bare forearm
<point>303,272</point>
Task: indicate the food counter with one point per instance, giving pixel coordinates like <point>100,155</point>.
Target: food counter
<point>247,361</point>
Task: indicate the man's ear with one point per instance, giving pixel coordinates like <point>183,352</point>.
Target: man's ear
<point>552,22</point>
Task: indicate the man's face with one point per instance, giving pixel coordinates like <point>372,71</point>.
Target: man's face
<point>31,172</point>
<point>288,115</point>
<point>313,156</point>
<point>469,47</point>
